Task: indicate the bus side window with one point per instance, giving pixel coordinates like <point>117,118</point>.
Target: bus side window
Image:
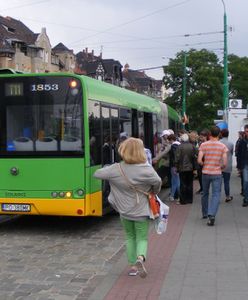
<point>141,123</point>
<point>155,133</point>
<point>110,129</point>
<point>94,132</point>
<point>148,132</point>
<point>135,128</point>
<point>125,121</point>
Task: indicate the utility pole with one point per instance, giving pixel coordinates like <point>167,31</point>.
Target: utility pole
<point>225,78</point>
<point>184,87</point>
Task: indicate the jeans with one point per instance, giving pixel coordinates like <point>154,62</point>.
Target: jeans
<point>245,183</point>
<point>226,179</point>
<point>136,238</point>
<point>210,206</point>
<point>175,182</point>
<point>199,174</point>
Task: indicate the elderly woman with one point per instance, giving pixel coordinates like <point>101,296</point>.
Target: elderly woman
<point>128,180</point>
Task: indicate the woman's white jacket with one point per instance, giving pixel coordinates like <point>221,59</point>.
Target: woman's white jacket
<point>129,203</point>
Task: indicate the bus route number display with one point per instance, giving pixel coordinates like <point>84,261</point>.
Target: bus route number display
<point>14,89</point>
<point>44,87</point>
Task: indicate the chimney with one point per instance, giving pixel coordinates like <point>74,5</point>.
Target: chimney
<point>43,30</point>
<point>126,67</point>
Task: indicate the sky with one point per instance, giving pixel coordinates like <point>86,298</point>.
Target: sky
<point>143,33</point>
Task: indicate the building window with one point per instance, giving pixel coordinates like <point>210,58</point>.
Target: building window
<point>100,72</point>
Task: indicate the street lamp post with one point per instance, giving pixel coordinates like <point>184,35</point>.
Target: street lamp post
<point>184,87</point>
<point>225,78</point>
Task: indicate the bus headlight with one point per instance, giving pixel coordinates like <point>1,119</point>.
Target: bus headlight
<point>80,192</point>
<point>54,194</point>
<point>62,194</point>
<point>68,194</point>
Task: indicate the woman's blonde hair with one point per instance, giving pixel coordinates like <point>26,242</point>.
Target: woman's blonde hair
<point>132,151</point>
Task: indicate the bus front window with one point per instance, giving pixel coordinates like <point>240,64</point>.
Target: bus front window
<point>39,122</point>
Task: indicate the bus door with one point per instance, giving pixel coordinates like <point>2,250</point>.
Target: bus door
<point>110,134</point>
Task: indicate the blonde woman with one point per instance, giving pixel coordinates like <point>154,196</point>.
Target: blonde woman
<point>127,180</point>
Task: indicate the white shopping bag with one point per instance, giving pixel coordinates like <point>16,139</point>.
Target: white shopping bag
<point>162,221</point>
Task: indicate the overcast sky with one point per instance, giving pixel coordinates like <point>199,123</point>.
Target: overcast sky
<point>142,33</point>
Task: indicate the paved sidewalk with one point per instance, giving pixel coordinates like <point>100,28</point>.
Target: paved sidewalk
<point>192,261</point>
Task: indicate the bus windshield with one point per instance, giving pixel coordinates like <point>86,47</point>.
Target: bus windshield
<point>41,115</point>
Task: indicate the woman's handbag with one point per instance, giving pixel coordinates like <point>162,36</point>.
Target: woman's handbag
<point>152,198</point>
<point>154,204</point>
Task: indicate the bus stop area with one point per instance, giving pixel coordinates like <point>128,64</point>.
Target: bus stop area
<point>191,260</point>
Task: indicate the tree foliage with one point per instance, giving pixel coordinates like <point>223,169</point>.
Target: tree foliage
<point>238,71</point>
<point>204,82</point>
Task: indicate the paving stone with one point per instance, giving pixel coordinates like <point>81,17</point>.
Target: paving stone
<point>43,259</point>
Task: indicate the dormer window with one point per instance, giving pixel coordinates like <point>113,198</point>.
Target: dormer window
<point>9,29</point>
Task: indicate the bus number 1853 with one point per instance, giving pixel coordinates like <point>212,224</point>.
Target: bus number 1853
<point>44,87</point>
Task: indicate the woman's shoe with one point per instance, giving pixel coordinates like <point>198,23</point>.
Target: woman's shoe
<point>133,272</point>
<point>141,268</point>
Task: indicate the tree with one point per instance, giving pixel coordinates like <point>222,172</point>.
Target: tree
<point>204,84</point>
<point>238,70</point>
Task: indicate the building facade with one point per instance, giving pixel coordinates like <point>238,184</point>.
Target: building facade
<point>23,50</point>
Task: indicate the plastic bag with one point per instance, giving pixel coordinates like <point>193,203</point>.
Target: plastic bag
<point>162,221</point>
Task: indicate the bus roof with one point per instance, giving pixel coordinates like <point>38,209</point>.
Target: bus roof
<point>9,71</point>
<point>102,91</point>
<point>105,92</point>
<point>173,114</point>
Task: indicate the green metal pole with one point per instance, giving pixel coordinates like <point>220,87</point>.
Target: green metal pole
<point>225,79</point>
<point>184,86</point>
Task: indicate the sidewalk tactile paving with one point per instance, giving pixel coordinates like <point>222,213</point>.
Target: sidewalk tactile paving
<point>160,251</point>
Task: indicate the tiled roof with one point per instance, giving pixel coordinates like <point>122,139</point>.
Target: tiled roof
<point>139,80</point>
<point>88,62</point>
<point>14,29</point>
<point>84,56</point>
<point>109,63</point>
<point>60,47</point>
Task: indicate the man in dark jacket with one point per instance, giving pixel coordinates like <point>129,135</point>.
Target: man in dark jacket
<point>242,163</point>
<point>241,136</point>
<point>185,161</point>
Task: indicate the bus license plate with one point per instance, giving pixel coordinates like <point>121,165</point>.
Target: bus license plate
<point>16,207</point>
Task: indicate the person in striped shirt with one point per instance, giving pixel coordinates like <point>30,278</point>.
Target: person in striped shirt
<point>213,159</point>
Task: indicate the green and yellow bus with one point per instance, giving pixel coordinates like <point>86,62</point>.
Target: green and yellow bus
<point>56,130</point>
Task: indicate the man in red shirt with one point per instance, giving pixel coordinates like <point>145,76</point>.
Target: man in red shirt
<point>213,157</point>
